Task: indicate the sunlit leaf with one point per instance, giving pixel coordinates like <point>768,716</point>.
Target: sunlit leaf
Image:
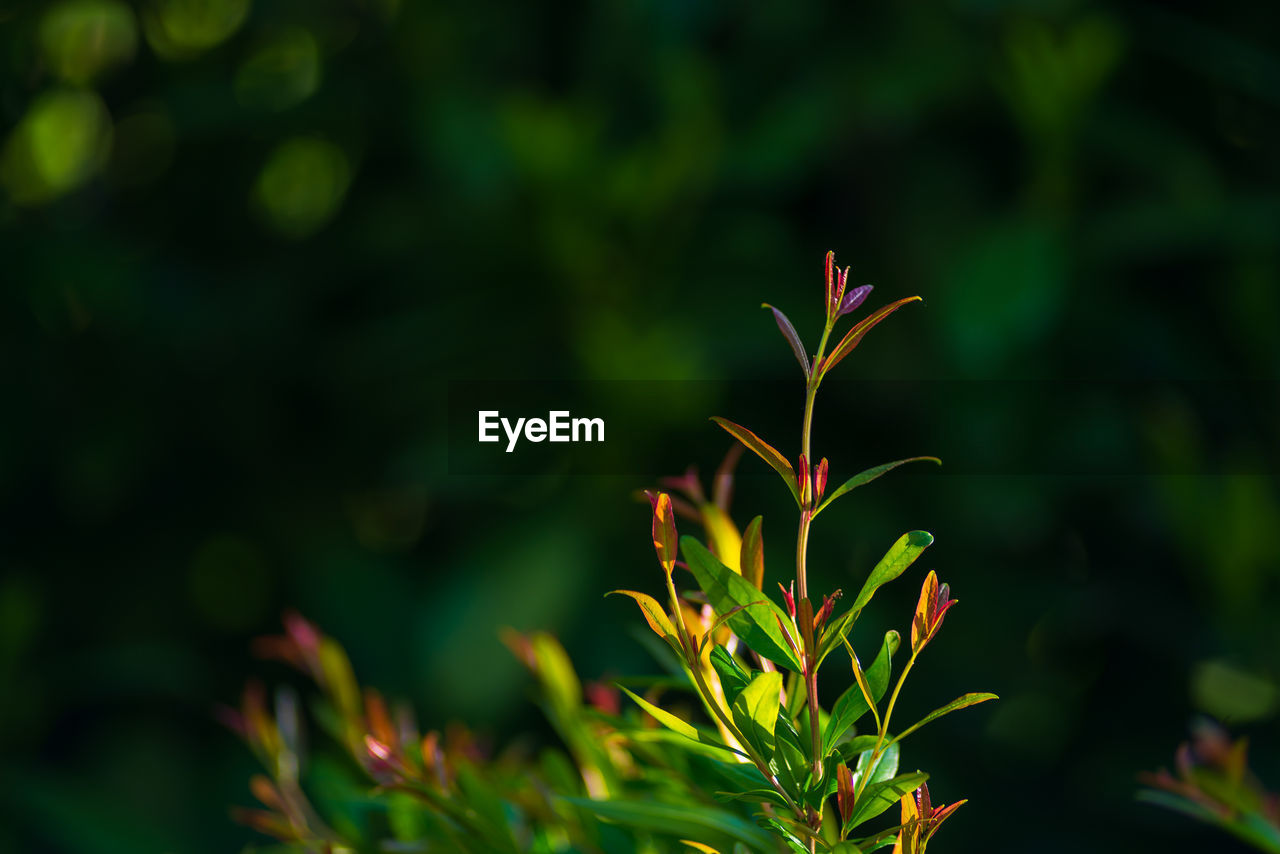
<point>676,724</point>
<point>698,846</point>
<point>758,623</point>
<point>962,702</point>
<point>723,537</point>
<point>867,476</point>
<point>765,451</point>
<point>854,336</point>
<point>884,769</point>
<point>732,677</point>
<point>654,615</point>
<point>664,531</point>
<point>901,555</point>
<point>852,705</point>
<point>755,711</point>
<point>878,797</point>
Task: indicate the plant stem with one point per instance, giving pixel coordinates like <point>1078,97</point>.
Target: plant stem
<point>802,569</point>
<point>884,726</point>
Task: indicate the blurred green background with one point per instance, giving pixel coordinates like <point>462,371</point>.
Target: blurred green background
<point>247,245</point>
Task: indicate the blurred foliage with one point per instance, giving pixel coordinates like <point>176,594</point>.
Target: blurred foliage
<point>247,244</point>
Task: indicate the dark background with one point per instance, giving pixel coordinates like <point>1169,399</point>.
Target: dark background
<point>246,250</point>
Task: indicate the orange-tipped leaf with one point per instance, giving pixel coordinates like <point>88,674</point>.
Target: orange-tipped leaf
<point>765,451</point>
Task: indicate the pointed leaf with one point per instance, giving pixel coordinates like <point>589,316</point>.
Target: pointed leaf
<point>681,821</point>
<point>854,336</point>
<point>901,555</point>
<point>878,797</point>
<point>884,769</point>
<point>732,677</point>
<point>751,560</point>
<point>852,705</point>
<point>668,720</point>
<point>654,615</point>
<point>758,624</point>
<point>761,795</point>
<point>955,705</point>
<point>765,451</point>
<point>755,711</point>
<point>793,338</point>
<point>869,475</point>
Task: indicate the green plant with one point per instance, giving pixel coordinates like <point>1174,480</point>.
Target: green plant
<point>1214,784</point>
<point>762,767</point>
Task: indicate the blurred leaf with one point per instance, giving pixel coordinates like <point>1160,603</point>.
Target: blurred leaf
<point>83,38</point>
<point>751,561</point>
<point>756,624</point>
<point>679,821</point>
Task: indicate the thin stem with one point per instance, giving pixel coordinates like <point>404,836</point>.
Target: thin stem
<point>802,569</point>
<point>884,726</point>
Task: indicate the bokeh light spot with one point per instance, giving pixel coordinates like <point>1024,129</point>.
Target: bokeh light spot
<point>302,186</point>
<point>1231,694</point>
<point>179,29</point>
<point>280,74</point>
<point>82,38</point>
<point>58,145</point>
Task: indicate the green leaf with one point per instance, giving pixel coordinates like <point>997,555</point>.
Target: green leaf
<point>852,705</point>
<point>755,711</point>
<point>694,821</point>
<point>850,750</point>
<point>901,555</point>
<point>765,451</point>
<point>677,725</point>
<point>703,747</point>
<point>884,769</point>
<point>757,623</point>
<point>878,797</point>
<point>770,796</point>
<point>895,562</point>
<point>751,561</point>
<point>962,702</point>
<point>867,476</point>
<point>732,677</point>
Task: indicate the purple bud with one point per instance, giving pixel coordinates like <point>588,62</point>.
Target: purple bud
<point>853,299</point>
